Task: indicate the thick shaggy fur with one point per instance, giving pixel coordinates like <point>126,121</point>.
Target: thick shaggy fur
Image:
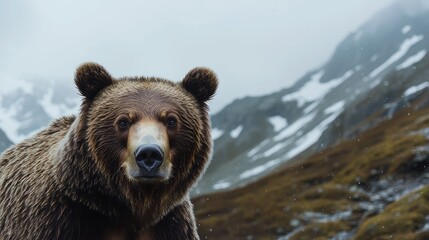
<point>68,181</point>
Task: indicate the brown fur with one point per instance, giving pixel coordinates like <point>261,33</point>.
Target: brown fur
<point>68,181</point>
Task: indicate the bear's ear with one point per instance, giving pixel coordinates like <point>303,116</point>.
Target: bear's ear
<point>201,83</point>
<point>91,78</point>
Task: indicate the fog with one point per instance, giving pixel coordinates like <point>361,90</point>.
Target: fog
<point>255,47</point>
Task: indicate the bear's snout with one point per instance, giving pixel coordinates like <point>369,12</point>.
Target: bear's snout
<point>149,158</point>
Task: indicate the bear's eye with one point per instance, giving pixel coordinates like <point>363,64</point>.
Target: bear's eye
<point>123,124</point>
<point>171,122</point>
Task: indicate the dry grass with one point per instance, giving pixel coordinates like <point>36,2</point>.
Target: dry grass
<point>401,218</point>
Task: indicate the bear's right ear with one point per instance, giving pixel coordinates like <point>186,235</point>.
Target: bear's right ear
<point>91,78</point>
<point>201,82</point>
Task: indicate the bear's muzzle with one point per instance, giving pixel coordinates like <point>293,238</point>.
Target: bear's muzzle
<point>149,158</point>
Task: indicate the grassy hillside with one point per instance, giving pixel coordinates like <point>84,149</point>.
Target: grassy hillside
<point>370,187</point>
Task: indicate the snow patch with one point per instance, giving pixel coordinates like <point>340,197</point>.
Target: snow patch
<point>311,137</point>
<point>305,142</point>
<point>291,234</point>
<point>425,227</point>
<point>259,169</point>
<point>274,149</point>
<point>256,149</point>
<point>336,107</point>
<point>311,107</point>
<point>406,29</point>
<point>305,91</point>
<point>412,60</point>
<point>10,126</point>
<point>323,217</point>
<point>216,133</point>
<point>292,129</point>
<point>391,191</point>
<point>278,122</point>
<point>415,89</point>
<point>403,49</point>
<point>7,114</point>
<point>221,185</point>
<point>342,236</point>
<point>374,58</point>
<point>314,90</point>
<point>375,83</point>
<point>236,131</point>
<point>57,110</point>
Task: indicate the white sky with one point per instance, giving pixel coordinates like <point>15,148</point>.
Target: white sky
<point>255,47</point>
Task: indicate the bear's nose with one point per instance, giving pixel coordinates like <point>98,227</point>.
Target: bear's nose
<point>149,157</point>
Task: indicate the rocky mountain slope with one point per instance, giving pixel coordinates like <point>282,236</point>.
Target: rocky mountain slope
<point>4,141</point>
<point>373,185</point>
<point>255,135</point>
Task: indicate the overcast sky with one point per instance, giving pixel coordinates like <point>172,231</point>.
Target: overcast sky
<point>255,47</point>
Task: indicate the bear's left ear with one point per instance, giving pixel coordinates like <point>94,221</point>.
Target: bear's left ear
<point>201,83</point>
<point>91,78</point>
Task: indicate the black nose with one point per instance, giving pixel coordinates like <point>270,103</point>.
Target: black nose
<point>149,157</point>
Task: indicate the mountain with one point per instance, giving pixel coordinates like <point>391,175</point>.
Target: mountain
<point>27,108</point>
<point>372,185</point>
<point>4,141</point>
<point>254,136</point>
<point>349,162</point>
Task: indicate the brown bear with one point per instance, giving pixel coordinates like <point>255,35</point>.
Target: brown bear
<point>121,169</point>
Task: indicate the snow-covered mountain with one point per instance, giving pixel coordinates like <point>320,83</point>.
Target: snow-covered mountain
<point>254,136</point>
<point>26,108</point>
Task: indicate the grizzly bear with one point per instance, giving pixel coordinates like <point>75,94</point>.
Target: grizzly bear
<point>121,169</point>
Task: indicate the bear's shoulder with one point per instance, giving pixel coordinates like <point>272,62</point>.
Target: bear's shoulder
<point>39,144</point>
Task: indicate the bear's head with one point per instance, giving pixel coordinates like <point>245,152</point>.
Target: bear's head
<point>147,136</point>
